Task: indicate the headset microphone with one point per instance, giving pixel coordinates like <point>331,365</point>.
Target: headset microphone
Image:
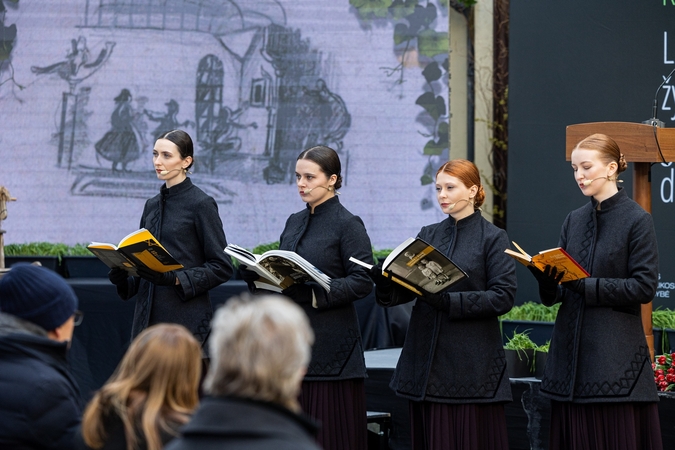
<point>166,172</point>
<point>455,204</point>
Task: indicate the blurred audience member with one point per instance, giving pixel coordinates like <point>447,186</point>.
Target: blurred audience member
<point>151,394</point>
<point>259,349</point>
<point>39,398</point>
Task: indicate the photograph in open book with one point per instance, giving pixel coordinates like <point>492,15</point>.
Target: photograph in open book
<point>423,266</point>
<point>279,267</point>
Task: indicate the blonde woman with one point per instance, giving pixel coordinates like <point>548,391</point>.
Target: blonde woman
<point>260,347</point>
<point>151,394</point>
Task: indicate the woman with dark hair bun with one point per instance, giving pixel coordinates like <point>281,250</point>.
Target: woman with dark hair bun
<point>327,235</point>
<point>452,367</point>
<point>186,221</point>
<point>598,372</point>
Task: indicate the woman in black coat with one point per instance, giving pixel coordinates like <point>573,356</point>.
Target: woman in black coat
<point>598,372</point>
<point>452,367</point>
<point>327,235</point>
<point>186,221</point>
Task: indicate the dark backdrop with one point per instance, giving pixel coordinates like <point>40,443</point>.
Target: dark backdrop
<point>583,61</point>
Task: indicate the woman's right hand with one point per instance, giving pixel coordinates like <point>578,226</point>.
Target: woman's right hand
<point>548,280</point>
<point>118,276</point>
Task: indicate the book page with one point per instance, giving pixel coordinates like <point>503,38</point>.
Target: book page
<point>562,261</point>
<point>423,266</point>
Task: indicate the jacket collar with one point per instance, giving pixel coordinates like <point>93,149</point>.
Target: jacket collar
<point>324,207</point>
<point>177,189</point>
<point>610,202</point>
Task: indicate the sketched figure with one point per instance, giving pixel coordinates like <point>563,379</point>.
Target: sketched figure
<point>120,144</point>
<point>77,66</point>
<point>224,138</point>
<point>167,120</point>
<point>224,135</point>
<point>329,119</point>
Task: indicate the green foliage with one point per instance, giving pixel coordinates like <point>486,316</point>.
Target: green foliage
<point>380,255</point>
<point>520,341</point>
<point>36,249</point>
<point>262,248</point>
<point>431,43</point>
<point>663,318</point>
<point>369,8</point>
<point>7,33</point>
<point>531,311</point>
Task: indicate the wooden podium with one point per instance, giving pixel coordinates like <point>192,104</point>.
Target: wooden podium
<point>639,144</point>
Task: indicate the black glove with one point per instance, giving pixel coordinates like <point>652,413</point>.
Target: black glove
<point>575,285</point>
<point>548,280</point>
<point>438,301</point>
<point>158,278</point>
<point>383,283</point>
<point>248,276</point>
<point>300,292</point>
<point>118,276</point>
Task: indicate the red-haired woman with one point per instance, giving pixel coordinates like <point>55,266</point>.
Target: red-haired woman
<point>452,367</point>
<point>598,372</point>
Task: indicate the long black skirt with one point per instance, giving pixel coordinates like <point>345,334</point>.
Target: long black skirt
<point>340,408</point>
<point>443,426</point>
<point>605,426</point>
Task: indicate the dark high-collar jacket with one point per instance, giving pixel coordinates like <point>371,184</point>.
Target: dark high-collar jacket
<point>327,239</point>
<point>455,354</point>
<point>39,398</point>
<point>598,351</point>
<point>237,423</point>
<point>186,222</point>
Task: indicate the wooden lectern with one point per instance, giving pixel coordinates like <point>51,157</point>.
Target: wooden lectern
<point>638,143</point>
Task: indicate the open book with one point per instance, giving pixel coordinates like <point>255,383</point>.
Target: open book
<point>555,257</point>
<point>139,248</point>
<point>419,267</point>
<point>278,269</point>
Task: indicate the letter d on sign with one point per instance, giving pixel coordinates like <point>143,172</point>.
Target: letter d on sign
<point>670,180</point>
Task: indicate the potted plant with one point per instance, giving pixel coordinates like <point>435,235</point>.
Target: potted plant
<point>47,254</point>
<point>520,355</point>
<point>663,321</point>
<point>537,318</point>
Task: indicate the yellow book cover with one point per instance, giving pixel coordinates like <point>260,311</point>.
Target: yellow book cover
<point>139,248</point>
<point>556,257</point>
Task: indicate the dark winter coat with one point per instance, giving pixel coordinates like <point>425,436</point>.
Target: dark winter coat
<point>186,221</point>
<point>327,239</point>
<point>236,423</point>
<point>39,398</point>
<point>454,354</point>
<point>598,351</point>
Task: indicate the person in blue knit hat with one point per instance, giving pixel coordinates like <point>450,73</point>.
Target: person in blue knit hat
<point>39,398</point>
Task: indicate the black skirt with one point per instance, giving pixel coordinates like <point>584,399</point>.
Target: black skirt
<point>444,426</point>
<point>340,407</point>
<point>605,426</point>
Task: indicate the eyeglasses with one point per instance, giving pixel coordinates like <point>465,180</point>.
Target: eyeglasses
<point>77,317</point>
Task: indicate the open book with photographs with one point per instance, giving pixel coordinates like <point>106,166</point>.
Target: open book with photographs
<point>554,257</point>
<point>278,269</point>
<point>419,267</point>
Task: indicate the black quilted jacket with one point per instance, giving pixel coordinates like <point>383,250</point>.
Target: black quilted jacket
<point>186,221</point>
<point>598,351</point>
<point>327,239</point>
<point>455,355</point>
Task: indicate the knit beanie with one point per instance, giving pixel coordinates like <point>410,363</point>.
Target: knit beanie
<point>38,295</point>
